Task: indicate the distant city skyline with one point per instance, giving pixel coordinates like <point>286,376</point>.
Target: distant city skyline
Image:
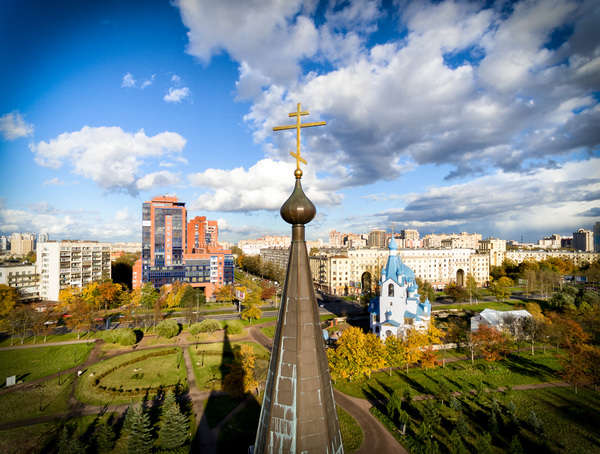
<point>442,117</point>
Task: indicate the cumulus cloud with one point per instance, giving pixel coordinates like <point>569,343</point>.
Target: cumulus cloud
<point>175,95</point>
<point>13,126</point>
<point>477,88</point>
<point>109,156</point>
<point>264,186</point>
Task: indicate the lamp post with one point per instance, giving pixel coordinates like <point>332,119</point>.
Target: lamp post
<point>213,382</point>
<point>203,357</point>
<point>59,376</point>
<point>75,357</point>
<point>41,401</point>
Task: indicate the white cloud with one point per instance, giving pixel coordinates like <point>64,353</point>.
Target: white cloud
<point>128,81</point>
<point>549,199</point>
<point>70,224</point>
<point>147,82</point>
<point>109,156</point>
<point>175,95</point>
<point>54,182</point>
<point>264,186</point>
<point>157,179</point>
<point>13,126</point>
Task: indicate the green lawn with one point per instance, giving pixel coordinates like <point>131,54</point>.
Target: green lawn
<point>152,371</point>
<point>570,423</point>
<point>215,360</point>
<point>29,364</point>
<point>459,376</point>
<point>46,398</point>
<point>45,437</point>
<point>39,340</point>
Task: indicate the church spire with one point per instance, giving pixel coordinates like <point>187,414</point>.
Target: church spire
<point>298,412</point>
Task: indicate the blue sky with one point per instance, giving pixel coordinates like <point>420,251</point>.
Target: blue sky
<point>441,116</point>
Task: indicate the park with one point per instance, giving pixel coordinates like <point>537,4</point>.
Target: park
<point>77,394</point>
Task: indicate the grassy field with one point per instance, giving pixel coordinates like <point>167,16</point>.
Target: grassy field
<point>568,423</point>
<point>46,398</point>
<point>153,371</point>
<point>39,340</point>
<point>45,437</point>
<point>29,364</point>
<point>214,361</point>
<point>458,376</point>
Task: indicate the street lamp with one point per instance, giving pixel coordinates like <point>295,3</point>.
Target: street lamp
<point>213,382</point>
<point>59,376</point>
<point>203,357</point>
<point>41,402</point>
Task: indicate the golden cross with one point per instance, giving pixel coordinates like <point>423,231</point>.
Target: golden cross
<point>297,126</point>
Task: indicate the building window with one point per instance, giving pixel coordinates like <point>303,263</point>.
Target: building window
<point>391,290</point>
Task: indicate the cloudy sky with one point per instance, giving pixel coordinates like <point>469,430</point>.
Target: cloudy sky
<point>443,116</point>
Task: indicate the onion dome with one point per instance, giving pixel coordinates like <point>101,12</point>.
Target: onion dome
<point>298,209</point>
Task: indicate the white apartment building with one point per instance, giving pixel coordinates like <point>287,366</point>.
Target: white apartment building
<point>22,277</point>
<point>354,269</point>
<point>62,264</point>
<point>22,243</point>
<point>253,247</point>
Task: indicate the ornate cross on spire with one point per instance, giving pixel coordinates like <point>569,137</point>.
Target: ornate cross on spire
<point>297,126</point>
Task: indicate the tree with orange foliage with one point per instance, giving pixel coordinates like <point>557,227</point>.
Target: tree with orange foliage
<point>394,353</point>
<point>493,344</point>
<point>374,353</point>
<point>433,337</point>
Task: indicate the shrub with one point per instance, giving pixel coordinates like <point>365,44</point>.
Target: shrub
<point>234,327</point>
<point>126,336</point>
<point>122,336</point>
<point>210,326</point>
<point>195,329</point>
<point>168,328</point>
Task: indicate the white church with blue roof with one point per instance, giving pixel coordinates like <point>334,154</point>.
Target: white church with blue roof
<point>398,307</point>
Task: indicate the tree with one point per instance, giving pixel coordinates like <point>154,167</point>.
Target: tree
<point>456,293</point>
<point>108,295</point>
<point>458,331</point>
<point>80,316</point>
<point>105,438</point>
<point>413,342</point>
<point>224,294</point>
<point>207,326</point>
<point>426,290</point>
<point>168,328</point>
<point>474,344</point>
<point>267,291</point>
<point>394,353</point>
<point>348,360</point>
<point>501,288</point>
<point>234,327</point>
<point>21,319</point>
<point>69,444</point>
<point>67,296</point>
<point>530,277</point>
<point>431,337</point>
<point>472,288</point>
<point>240,380</point>
<point>175,425</point>
<point>534,328</point>
<point>375,357</point>
<point>8,299</point>
<point>139,439</point>
<point>192,300</point>
<point>251,312</point>
<point>492,343</point>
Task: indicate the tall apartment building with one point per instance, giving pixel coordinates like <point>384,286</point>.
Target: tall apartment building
<point>173,250</point>
<point>377,239</point>
<point>24,278</point>
<point>64,264</point>
<point>597,237</point>
<point>583,240</point>
<point>22,243</point>
<point>461,240</point>
<point>201,233</point>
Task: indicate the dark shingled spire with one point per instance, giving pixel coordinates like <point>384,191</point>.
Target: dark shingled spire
<point>298,413</point>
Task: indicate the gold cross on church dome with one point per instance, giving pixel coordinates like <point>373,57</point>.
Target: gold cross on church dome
<point>298,126</point>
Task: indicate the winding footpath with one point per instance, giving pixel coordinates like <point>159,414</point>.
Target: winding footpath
<point>376,436</point>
